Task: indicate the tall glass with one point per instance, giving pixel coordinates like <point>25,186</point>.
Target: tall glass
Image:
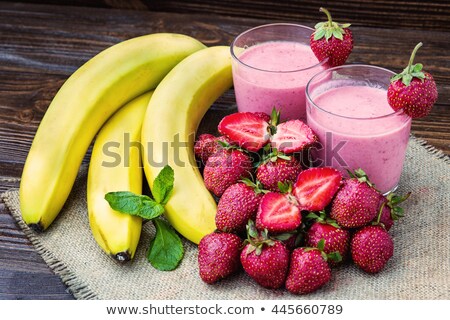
<point>347,108</point>
<point>271,67</point>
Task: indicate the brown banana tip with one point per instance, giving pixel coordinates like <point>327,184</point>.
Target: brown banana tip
<point>37,227</point>
<point>122,256</point>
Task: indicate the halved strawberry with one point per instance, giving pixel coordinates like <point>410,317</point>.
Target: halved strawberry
<point>278,212</point>
<point>315,187</point>
<point>292,136</point>
<point>246,129</point>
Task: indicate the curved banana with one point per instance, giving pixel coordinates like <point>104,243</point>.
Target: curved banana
<point>173,115</point>
<point>82,105</point>
<point>115,165</point>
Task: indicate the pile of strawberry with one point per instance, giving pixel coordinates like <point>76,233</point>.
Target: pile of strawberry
<point>297,222</point>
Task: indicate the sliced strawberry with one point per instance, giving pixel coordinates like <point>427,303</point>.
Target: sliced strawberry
<point>246,129</point>
<point>315,187</point>
<point>292,136</point>
<point>278,213</point>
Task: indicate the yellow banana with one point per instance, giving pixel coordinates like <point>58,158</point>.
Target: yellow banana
<point>82,105</point>
<point>172,117</point>
<point>115,165</point>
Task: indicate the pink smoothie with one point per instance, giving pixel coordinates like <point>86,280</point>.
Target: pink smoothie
<point>372,136</point>
<point>273,74</point>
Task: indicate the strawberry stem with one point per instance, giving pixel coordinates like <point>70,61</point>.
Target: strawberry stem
<point>413,55</point>
<point>330,21</point>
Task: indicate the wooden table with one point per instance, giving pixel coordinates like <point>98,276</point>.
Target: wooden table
<point>41,45</point>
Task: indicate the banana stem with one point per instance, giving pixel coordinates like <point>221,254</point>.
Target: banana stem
<point>413,55</point>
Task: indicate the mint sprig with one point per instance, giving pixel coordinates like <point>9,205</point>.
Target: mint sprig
<point>166,249</point>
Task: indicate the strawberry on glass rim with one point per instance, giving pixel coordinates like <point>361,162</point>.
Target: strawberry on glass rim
<point>413,90</point>
<point>332,40</point>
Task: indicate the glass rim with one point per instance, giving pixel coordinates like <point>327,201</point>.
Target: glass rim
<point>348,66</point>
<point>233,55</point>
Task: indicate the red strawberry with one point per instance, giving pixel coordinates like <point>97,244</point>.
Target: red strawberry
<point>332,40</point>
<point>218,256</point>
<point>278,212</point>
<point>390,209</point>
<point>315,187</point>
<point>245,129</point>
<point>292,136</point>
<point>265,260</point>
<point>336,238</point>
<point>207,145</point>
<point>278,169</point>
<point>371,248</point>
<point>263,116</point>
<point>237,205</point>
<point>356,203</point>
<point>309,269</point>
<point>413,90</point>
<point>225,168</point>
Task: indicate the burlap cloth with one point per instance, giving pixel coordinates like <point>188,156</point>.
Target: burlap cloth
<point>420,268</point>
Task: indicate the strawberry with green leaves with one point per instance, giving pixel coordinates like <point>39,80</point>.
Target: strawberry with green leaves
<point>265,260</point>
<point>390,210</point>
<point>277,167</point>
<point>237,205</point>
<point>218,256</point>
<point>332,40</point>
<point>207,145</point>
<point>336,238</point>
<point>413,90</point>
<point>309,269</point>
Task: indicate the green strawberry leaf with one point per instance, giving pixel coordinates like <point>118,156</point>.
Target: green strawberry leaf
<point>328,33</point>
<point>406,79</point>
<point>334,256</point>
<point>321,244</point>
<point>166,249</point>
<point>417,67</point>
<point>319,34</point>
<point>319,25</point>
<point>163,185</point>
<point>338,34</point>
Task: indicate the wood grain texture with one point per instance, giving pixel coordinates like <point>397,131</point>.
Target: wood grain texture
<point>41,45</point>
<point>416,14</point>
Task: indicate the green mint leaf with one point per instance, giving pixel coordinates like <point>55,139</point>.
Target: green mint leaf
<point>134,204</point>
<point>163,185</point>
<point>150,209</point>
<point>166,250</point>
<point>319,34</point>
<point>126,201</point>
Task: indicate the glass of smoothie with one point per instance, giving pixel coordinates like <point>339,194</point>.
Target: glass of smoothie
<point>271,66</point>
<point>347,108</point>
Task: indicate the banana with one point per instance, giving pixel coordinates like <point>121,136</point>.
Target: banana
<point>171,120</point>
<point>82,105</point>
<point>115,165</point>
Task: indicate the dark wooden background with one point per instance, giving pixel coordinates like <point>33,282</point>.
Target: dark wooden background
<point>43,42</point>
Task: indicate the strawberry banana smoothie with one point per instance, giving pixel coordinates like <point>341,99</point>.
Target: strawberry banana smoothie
<point>358,123</point>
<point>273,72</point>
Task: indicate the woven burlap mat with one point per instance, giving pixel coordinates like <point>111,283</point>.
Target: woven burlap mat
<point>420,268</point>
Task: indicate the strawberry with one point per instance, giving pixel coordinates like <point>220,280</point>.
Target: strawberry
<point>309,269</point>
<point>263,116</point>
<point>246,129</point>
<point>371,248</point>
<point>413,90</point>
<point>237,205</point>
<point>332,40</point>
<point>390,210</point>
<point>356,203</point>
<point>315,187</point>
<point>218,256</point>
<point>207,145</point>
<point>292,136</point>
<point>277,213</point>
<point>265,260</point>
<point>336,238</point>
<point>278,168</point>
<point>225,168</point>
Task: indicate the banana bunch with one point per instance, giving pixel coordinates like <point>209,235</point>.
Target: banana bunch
<point>187,78</point>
